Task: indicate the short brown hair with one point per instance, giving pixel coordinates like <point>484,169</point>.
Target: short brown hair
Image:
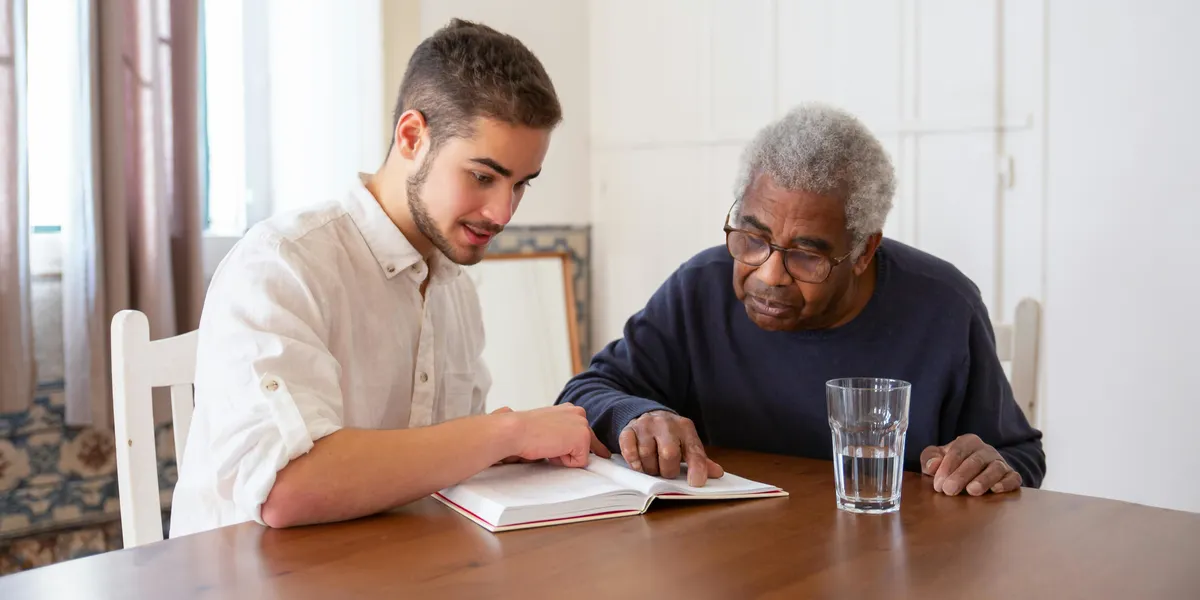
<point>467,70</point>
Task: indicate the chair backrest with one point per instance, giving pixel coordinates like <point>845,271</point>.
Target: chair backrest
<point>138,366</point>
<point>1017,343</point>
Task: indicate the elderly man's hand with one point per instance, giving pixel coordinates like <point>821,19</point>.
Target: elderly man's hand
<point>968,464</point>
<point>655,442</point>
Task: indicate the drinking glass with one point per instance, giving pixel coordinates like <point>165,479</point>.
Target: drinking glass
<point>868,417</point>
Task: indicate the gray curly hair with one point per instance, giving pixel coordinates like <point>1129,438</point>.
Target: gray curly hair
<point>824,150</point>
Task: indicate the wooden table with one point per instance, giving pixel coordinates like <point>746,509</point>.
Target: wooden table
<point>1029,544</point>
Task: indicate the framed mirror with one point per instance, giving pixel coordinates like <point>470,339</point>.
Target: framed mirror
<point>532,346</point>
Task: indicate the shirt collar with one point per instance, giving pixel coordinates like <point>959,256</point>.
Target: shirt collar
<point>394,253</point>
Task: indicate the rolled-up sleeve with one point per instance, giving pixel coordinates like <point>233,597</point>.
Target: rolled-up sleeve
<point>266,383</point>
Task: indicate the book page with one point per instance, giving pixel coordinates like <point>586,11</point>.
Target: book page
<point>617,470</point>
<point>537,484</point>
<point>729,484</point>
<point>506,495</point>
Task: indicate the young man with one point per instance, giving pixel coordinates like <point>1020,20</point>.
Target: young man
<point>339,369</point>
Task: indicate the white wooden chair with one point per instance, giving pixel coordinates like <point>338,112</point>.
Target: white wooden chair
<point>138,366</point>
<point>1017,344</point>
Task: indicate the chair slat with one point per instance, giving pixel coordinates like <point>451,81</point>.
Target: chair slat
<point>138,366</point>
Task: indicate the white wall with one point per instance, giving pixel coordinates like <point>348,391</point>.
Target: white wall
<point>663,162</point>
<point>324,78</point>
<point>952,89</point>
<point>557,32</point>
<point>1121,405</point>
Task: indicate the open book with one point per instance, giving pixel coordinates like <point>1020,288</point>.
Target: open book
<point>520,496</point>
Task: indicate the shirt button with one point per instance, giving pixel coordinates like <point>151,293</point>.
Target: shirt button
<point>391,268</point>
<point>272,385</point>
<point>424,377</point>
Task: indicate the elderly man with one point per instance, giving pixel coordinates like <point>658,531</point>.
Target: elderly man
<point>817,293</point>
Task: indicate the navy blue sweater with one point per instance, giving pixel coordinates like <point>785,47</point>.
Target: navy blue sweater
<point>694,351</point>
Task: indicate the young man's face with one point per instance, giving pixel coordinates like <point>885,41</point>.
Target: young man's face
<point>469,191</point>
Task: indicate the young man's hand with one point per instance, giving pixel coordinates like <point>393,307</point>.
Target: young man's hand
<point>559,433</point>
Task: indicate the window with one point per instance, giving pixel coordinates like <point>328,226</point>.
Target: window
<point>54,125</point>
<point>224,97</point>
<point>53,77</point>
<point>243,44</point>
<point>58,140</point>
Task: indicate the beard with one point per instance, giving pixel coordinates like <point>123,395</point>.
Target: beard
<point>426,225</point>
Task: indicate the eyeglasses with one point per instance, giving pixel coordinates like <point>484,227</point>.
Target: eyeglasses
<point>754,250</point>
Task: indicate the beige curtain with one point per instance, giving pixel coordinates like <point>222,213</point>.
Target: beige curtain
<point>16,325</point>
<point>133,241</point>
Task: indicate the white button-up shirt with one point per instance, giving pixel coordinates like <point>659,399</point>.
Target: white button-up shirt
<point>315,322</point>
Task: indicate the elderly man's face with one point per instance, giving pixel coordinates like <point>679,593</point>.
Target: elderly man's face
<point>774,299</point>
